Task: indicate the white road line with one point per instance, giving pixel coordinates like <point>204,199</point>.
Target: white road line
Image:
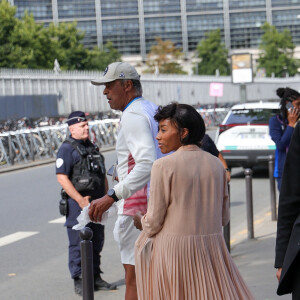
<point>58,221</point>
<point>11,238</point>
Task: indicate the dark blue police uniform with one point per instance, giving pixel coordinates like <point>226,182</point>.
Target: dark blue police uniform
<point>67,157</point>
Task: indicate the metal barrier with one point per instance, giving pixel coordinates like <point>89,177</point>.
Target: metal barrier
<point>249,200</point>
<point>43,142</point>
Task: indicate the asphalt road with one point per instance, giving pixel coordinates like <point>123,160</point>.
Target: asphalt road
<point>33,241</point>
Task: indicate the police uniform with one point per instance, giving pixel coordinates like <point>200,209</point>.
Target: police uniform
<point>82,162</point>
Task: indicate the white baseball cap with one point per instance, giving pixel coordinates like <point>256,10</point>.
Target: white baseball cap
<point>117,70</point>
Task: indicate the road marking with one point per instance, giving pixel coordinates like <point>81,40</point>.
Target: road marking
<point>258,221</point>
<point>11,238</point>
<point>58,221</point>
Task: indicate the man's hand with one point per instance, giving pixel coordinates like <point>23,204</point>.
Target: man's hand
<point>278,273</point>
<point>85,201</point>
<point>137,221</point>
<point>99,206</point>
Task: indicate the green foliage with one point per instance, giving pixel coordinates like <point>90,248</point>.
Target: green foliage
<point>277,52</point>
<point>7,24</point>
<point>164,56</point>
<point>26,44</point>
<point>100,59</point>
<point>213,55</point>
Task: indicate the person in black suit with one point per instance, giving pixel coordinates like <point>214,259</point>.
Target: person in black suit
<point>287,259</point>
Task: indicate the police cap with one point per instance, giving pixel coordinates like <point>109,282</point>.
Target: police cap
<point>76,117</point>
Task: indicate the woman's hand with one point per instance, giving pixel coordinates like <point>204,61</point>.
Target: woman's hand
<point>293,115</point>
<point>137,221</point>
<point>278,273</point>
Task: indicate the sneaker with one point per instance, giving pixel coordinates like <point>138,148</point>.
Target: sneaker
<point>100,284</point>
<point>78,286</point>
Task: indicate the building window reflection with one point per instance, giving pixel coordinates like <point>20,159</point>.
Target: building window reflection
<point>168,28</point>
<point>245,29</point>
<point>124,35</point>
<point>41,9</point>
<point>199,25</point>
<point>161,6</point>
<point>119,8</point>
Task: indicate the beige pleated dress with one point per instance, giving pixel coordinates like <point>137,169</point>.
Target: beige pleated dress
<point>181,253</point>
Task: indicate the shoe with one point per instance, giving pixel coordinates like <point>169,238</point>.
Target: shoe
<point>100,284</point>
<point>78,286</point>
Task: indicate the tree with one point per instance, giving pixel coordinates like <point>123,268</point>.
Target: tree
<point>26,44</point>
<point>277,52</point>
<point>7,25</point>
<point>164,56</point>
<point>99,59</point>
<point>213,55</point>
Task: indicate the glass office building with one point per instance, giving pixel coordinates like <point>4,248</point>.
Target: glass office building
<point>133,25</point>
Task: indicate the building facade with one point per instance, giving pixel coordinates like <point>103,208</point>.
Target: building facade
<point>133,25</point>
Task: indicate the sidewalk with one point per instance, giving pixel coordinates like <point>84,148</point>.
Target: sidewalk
<point>255,260</point>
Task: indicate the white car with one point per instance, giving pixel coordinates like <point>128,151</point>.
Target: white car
<point>243,136</point>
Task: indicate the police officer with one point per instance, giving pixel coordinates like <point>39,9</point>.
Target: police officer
<point>80,171</point>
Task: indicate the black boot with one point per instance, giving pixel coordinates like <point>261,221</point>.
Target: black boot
<point>100,284</point>
<point>78,286</point>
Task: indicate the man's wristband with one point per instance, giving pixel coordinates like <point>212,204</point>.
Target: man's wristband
<point>111,193</point>
<point>227,169</point>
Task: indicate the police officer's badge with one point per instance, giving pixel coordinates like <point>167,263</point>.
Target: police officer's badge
<point>59,163</point>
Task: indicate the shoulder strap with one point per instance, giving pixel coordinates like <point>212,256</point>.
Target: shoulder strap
<point>77,146</point>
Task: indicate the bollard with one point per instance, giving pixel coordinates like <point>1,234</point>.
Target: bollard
<point>86,247</point>
<point>249,199</point>
<point>10,150</point>
<point>226,229</point>
<point>272,188</point>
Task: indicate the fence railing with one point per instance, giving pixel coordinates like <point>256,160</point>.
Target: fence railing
<point>43,142</point>
<point>25,145</point>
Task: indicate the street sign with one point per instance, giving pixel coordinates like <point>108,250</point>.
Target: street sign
<point>216,89</point>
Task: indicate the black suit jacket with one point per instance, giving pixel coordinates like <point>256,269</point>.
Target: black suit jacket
<point>288,225</point>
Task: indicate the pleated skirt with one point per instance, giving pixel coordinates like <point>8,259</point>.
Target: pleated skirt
<point>173,267</point>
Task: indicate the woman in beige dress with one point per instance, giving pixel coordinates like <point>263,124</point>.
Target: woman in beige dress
<point>181,253</point>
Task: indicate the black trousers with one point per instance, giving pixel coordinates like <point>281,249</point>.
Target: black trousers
<point>296,278</point>
<point>74,249</point>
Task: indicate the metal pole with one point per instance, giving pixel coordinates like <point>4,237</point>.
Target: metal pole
<point>86,247</point>
<point>272,188</point>
<point>226,229</point>
<point>249,199</point>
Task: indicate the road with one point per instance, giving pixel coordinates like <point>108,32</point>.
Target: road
<point>33,241</point>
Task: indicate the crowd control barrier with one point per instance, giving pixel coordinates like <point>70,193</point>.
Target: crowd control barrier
<point>26,145</point>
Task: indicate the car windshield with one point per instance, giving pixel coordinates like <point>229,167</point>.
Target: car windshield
<point>256,115</point>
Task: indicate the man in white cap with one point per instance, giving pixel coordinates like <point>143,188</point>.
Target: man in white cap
<point>136,149</point>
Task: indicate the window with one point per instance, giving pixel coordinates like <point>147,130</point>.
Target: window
<point>76,9</point>
<point>167,28</point>
<point>124,35</point>
<point>199,25</point>
<point>119,8</point>
<point>41,10</point>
